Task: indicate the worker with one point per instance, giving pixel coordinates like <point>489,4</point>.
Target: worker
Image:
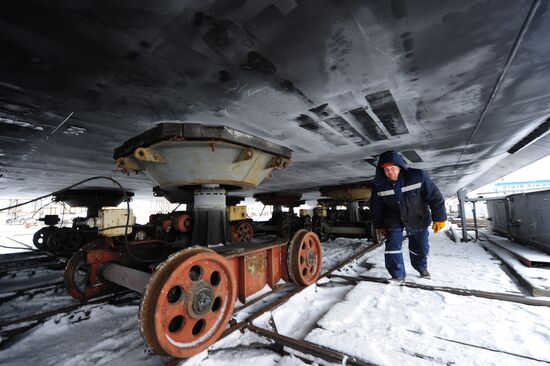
<point>400,201</point>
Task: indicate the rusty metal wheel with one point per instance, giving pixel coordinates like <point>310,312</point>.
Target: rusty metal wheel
<point>304,257</point>
<point>79,277</point>
<point>187,302</point>
<point>183,223</point>
<point>245,232</point>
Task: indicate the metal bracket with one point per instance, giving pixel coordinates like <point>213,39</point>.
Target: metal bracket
<point>149,155</point>
<point>279,163</point>
<point>246,154</point>
<point>126,164</point>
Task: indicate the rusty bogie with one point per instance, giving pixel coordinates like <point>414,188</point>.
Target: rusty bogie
<point>189,298</point>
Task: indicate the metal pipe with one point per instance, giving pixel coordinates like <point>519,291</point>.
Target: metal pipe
<point>126,277</point>
<point>461,194</point>
<point>353,207</point>
<point>475,221</point>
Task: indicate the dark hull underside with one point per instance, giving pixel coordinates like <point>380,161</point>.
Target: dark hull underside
<point>454,85</point>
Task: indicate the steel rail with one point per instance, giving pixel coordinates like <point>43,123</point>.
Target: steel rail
<point>23,291</point>
<point>7,335</point>
<point>312,349</point>
<point>28,263</point>
<point>453,290</point>
<point>65,309</point>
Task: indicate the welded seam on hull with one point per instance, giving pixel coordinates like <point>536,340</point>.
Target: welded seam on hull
<point>503,73</point>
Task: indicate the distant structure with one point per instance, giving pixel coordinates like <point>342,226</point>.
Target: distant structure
<point>519,187</point>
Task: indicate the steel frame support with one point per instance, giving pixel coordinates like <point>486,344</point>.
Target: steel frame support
<point>461,194</point>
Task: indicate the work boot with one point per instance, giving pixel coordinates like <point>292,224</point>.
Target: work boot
<point>425,274</point>
<point>397,280</point>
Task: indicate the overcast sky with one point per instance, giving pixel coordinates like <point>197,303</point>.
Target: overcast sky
<point>539,170</point>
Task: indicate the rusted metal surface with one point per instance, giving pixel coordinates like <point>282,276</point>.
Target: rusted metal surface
<point>257,266</point>
<point>82,274</point>
<point>309,348</point>
<point>148,154</point>
<point>305,257</point>
<point>234,326</point>
<point>187,302</point>
<point>81,278</point>
<point>182,223</point>
<point>243,231</point>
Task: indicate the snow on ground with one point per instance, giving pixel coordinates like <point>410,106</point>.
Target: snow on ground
<point>378,323</point>
<point>35,302</point>
<point>13,281</point>
<point>462,265</point>
<point>300,314</point>
<point>102,335</point>
<point>338,250</point>
<point>390,325</point>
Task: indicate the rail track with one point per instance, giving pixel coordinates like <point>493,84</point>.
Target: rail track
<point>27,261</point>
<point>11,328</point>
<point>279,341</point>
<point>453,290</point>
<point>30,291</point>
<point>254,309</point>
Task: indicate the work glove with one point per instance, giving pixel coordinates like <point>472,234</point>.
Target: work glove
<point>438,225</point>
<point>381,232</point>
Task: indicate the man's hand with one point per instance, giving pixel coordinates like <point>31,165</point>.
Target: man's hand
<point>381,232</point>
<point>438,225</point>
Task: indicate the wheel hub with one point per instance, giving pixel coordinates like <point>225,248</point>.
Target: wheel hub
<point>304,257</point>
<point>201,300</point>
<point>311,257</point>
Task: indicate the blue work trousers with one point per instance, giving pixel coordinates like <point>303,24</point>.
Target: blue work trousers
<point>418,250</point>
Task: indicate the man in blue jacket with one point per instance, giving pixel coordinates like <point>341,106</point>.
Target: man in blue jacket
<point>402,199</point>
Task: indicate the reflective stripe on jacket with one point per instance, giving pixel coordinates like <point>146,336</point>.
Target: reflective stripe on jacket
<point>407,201</point>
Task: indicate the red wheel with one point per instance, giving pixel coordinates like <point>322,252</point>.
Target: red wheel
<point>80,279</point>
<point>244,231</point>
<point>183,223</point>
<point>187,302</point>
<point>304,257</point>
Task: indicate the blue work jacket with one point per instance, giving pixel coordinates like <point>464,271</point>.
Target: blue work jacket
<point>412,201</point>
